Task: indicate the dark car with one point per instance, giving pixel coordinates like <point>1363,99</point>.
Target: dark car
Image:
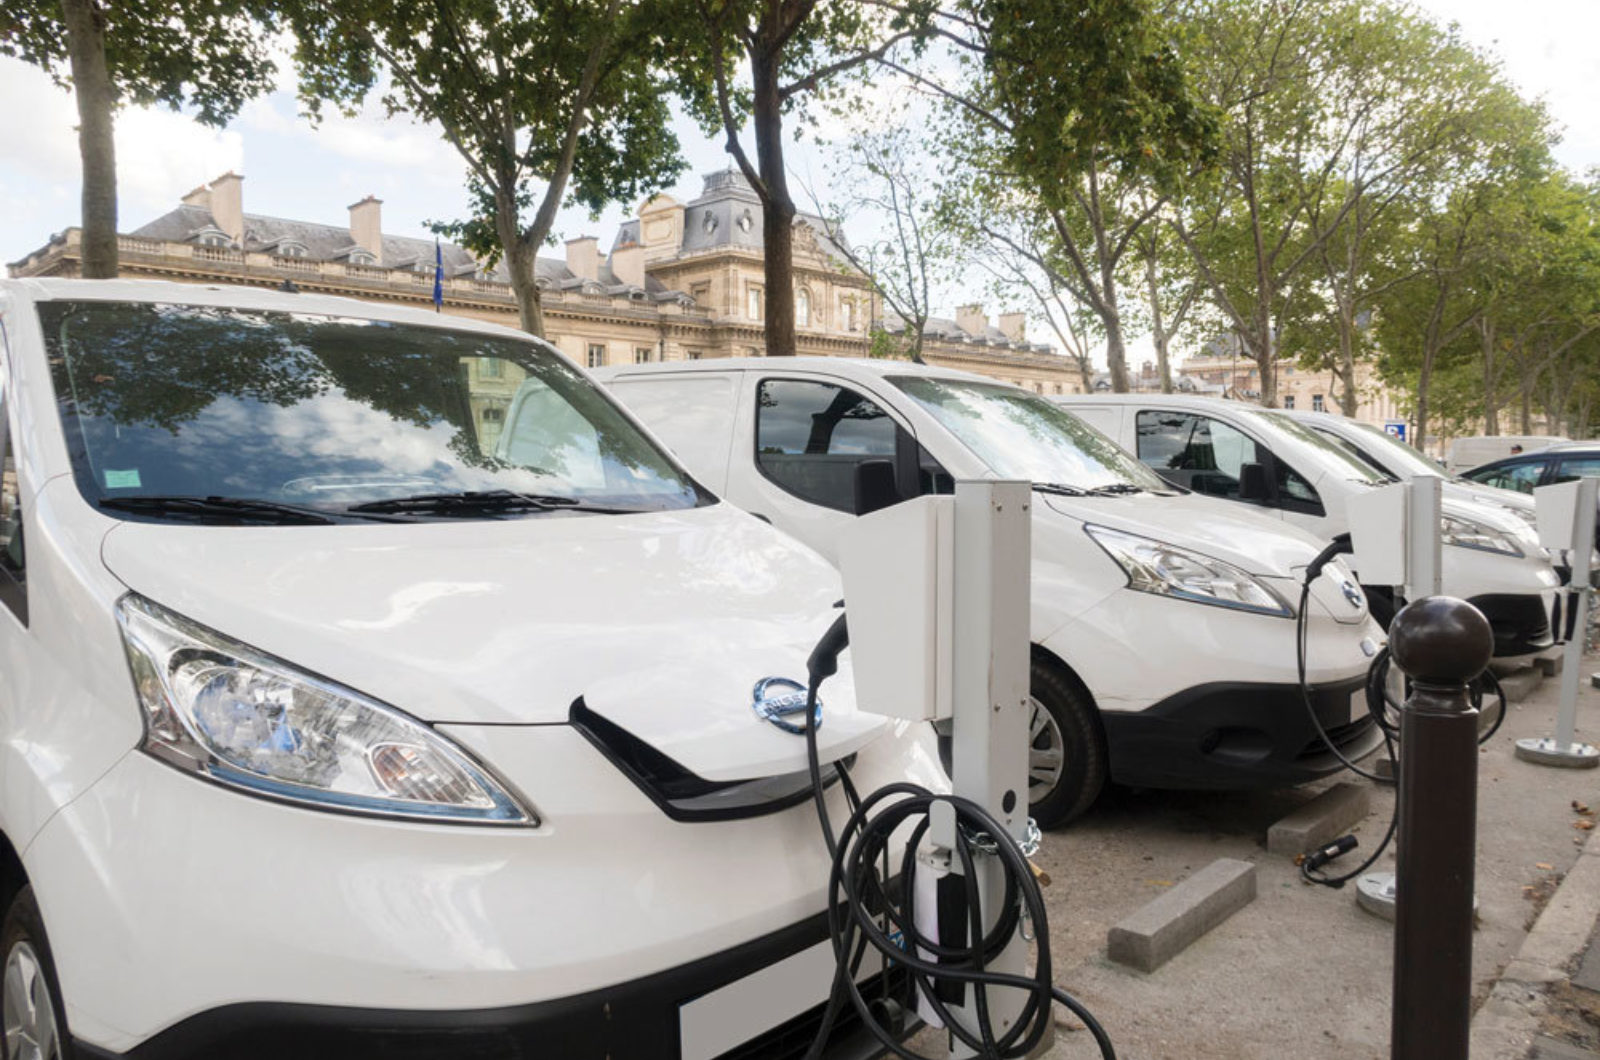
<point>1544,467</point>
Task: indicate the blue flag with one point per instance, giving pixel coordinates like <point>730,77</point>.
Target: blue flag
<point>438,276</point>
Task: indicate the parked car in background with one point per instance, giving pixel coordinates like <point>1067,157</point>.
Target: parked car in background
<point>1466,453</point>
<point>332,725</point>
<point>1163,623</point>
<point>1273,462</point>
<point>1525,472</point>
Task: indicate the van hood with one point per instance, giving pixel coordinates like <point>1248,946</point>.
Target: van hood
<point>1256,543</point>
<point>662,622</point>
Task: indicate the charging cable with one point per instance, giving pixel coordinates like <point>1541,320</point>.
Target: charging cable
<point>1379,705</point>
<point>866,913</point>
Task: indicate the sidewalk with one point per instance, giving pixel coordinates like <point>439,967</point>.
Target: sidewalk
<point>1546,1005</point>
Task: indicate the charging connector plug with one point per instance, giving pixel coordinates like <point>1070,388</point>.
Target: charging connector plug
<point>1315,859</point>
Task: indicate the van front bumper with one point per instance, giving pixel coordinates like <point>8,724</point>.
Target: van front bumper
<point>1239,735</point>
<point>187,918</point>
<point>636,1020</point>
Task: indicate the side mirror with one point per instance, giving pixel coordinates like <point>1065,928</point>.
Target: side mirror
<point>875,487</point>
<point>1253,483</point>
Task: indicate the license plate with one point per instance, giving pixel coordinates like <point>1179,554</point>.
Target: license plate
<point>713,1023</point>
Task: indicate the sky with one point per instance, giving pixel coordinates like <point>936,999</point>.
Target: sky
<point>295,170</point>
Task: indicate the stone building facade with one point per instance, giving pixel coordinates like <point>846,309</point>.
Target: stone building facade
<point>681,281</point>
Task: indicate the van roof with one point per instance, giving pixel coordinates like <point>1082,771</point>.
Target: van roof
<point>1186,401</point>
<point>238,297</point>
<point>862,369</point>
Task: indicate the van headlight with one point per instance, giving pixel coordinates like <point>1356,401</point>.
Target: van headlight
<point>1465,533</point>
<point>1156,567</point>
<point>224,711</point>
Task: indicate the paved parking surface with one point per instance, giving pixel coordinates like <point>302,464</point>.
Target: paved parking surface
<point>1301,971</point>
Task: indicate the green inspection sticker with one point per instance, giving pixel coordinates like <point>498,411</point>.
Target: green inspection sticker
<point>122,480</point>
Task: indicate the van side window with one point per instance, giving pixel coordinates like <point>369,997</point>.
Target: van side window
<point>810,437</point>
<point>13,559</point>
<point>1207,455</point>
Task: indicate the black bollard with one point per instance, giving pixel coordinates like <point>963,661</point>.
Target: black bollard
<point>1441,643</point>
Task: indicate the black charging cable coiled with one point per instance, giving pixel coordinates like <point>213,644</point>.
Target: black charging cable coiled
<point>864,916</point>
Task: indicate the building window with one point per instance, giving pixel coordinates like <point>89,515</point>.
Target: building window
<point>802,308</point>
<point>847,314</point>
<point>1316,402</point>
<point>641,355</point>
<point>694,355</point>
<point>490,368</point>
<point>1058,388</point>
<point>597,355</point>
<point>494,415</point>
<point>701,293</point>
<point>1288,401</point>
<point>291,250</point>
<point>361,257</point>
<point>752,302</point>
<point>213,239</point>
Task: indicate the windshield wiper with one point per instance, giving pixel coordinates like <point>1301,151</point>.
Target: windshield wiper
<point>479,502</point>
<point>231,509</point>
<point>1058,489</point>
<point>1112,489</point>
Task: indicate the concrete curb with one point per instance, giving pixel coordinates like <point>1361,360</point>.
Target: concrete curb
<point>1507,1024</point>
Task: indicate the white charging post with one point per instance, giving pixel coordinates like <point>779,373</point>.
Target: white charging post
<point>937,590</point>
<point>1395,533</point>
<point>1566,521</point>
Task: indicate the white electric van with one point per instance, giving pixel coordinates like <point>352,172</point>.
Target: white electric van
<point>1271,461</point>
<point>1163,623</point>
<point>343,714</point>
<point>1401,463</point>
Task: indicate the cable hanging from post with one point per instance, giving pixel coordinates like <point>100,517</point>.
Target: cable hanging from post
<point>864,916</point>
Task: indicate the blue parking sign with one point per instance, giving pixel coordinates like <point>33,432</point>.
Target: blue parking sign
<point>1395,428</point>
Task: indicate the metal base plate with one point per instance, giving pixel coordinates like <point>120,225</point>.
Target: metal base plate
<point>1546,752</point>
<point>1375,893</point>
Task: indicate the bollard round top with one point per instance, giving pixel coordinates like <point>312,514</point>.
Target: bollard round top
<point>1441,640</point>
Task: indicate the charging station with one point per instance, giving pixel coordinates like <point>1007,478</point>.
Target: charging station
<point>1566,513</point>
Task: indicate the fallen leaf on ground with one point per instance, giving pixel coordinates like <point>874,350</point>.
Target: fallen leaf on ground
<point>1580,807</point>
<point>1545,865</point>
<point>1583,824</point>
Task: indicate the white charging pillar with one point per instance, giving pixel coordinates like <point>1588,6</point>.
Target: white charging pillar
<point>990,707</point>
<point>1566,521</point>
<point>1423,536</point>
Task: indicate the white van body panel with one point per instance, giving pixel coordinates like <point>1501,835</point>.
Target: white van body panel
<point>1468,573</point>
<point>1468,453</point>
<point>166,895</point>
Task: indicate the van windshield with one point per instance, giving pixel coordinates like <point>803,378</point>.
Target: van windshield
<point>1395,455</point>
<point>1330,458</point>
<point>1021,436</point>
<point>165,402</point>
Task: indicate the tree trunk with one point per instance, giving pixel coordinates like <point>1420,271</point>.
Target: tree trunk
<point>1264,350</point>
<point>1116,354</point>
<point>1423,379</point>
<point>1345,371</point>
<point>777,212</point>
<point>1158,331</point>
<point>1491,398</point>
<point>96,98</point>
<point>521,255</point>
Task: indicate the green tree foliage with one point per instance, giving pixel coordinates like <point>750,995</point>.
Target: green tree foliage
<point>1076,125</point>
<point>208,55</point>
<point>547,103</point>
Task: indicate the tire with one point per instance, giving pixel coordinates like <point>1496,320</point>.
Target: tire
<point>32,1017</point>
<point>1063,715</point>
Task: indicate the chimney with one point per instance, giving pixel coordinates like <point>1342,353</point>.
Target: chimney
<point>627,264</point>
<point>583,257</point>
<point>1014,325</point>
<point>227,205</point>
<point>970,318</point>
<point>200,197</point>
<point>366,226</point>
<point>661,227</point>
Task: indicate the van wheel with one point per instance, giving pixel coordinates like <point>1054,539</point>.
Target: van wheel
<point>1066,762</point>
<point>30,1000</point>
